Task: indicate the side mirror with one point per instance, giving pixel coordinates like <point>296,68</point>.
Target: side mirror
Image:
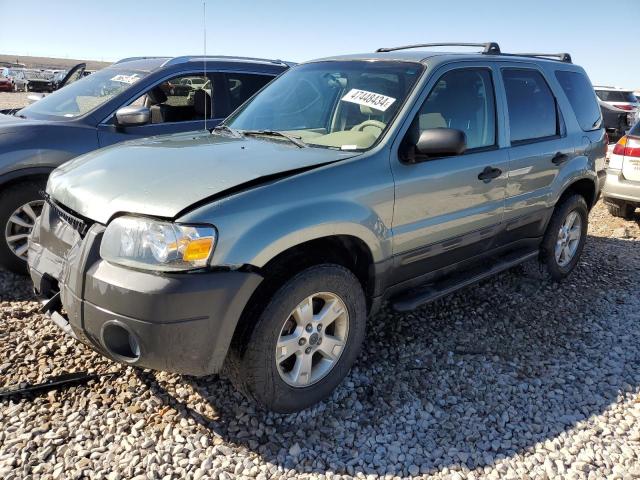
<point>441,142</point>
<point>133,116</point>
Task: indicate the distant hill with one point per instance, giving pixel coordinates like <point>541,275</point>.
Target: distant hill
<point>52,63</point>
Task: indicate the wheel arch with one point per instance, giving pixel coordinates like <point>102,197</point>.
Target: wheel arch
<point>347,251</point>
<point>25,175</point>
<point>586,187</point>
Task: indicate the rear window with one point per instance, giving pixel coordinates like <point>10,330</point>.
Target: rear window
<point>616,96</point>
<point>532,107</point>
<point>580,94</point>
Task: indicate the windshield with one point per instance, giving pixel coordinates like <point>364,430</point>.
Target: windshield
<point>346,105</point>
<point>85,95</point>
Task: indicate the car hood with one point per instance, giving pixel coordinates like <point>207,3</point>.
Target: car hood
<point>162,176</point>
<point>9,123</point>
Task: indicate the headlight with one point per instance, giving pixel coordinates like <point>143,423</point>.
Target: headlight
<point>157,245</point>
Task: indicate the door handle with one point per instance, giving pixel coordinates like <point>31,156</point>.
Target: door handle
<point>489,173</point>
<point>559,158</point>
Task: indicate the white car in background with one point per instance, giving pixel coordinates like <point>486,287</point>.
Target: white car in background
<point>621,192</point>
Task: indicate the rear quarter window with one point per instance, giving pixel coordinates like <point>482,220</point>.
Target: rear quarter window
<point>582,98</point>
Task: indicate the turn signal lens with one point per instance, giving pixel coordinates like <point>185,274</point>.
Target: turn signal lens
<point>199,249</point>
<point>620,146</point>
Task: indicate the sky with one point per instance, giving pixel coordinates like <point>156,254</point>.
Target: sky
<point>598,35</point>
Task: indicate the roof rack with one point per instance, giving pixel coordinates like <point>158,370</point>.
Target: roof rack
<point>187,58</point>
<point>563,57</point>
<point>131,59</point>
<point>489,48</point>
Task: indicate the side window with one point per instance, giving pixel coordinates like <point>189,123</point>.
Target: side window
<point>582,99</point>
<point>464,100</point>
<point>532,107</point>
<point>180,99</point>
<point>242,86</point>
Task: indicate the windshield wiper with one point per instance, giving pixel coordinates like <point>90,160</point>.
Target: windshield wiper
<point>274,133</point>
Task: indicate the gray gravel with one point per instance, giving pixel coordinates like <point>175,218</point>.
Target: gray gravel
<point>13,99</point>
<point>512,378</point>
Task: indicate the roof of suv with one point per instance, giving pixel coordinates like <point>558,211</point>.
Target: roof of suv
<point>411,53</point>
<point>149,64</point>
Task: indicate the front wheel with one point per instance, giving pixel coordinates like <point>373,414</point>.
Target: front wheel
<point>20,205</point>
<point>304,342</point>
<point>564,239</point>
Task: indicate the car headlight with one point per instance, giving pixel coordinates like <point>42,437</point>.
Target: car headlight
<point>157,245</point>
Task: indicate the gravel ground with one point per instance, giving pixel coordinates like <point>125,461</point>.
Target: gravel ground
<point>13,99</point>
<point>512,378</point>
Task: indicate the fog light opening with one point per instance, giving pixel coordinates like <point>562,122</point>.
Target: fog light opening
<point>120,342</point>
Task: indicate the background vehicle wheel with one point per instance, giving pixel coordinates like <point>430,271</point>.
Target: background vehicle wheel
<point>20,205</point>
<point>622,210</point>
<point>304,342</point>
<point>565,236</point>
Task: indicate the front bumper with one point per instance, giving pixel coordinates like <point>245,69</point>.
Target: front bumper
<point>618,188</point>
<point>181,322</point>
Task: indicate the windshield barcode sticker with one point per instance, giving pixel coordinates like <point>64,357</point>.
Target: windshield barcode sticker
<point>369,99</point>
<point>130,79</point>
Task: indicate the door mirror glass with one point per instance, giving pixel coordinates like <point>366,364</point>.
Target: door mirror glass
<point>441,142</point>
<point>132,116</point>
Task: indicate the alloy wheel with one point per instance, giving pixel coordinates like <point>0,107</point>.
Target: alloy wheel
<point>312,339</point>
<point>568,239</point>
<point>19,227</point>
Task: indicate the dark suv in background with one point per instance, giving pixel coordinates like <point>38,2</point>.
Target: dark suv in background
<point>135,97</point>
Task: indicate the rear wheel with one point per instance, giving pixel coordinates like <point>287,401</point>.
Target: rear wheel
<point>20,205</point>
<point>304,341</point>
<point>564,239</point>
<point>621,209</point>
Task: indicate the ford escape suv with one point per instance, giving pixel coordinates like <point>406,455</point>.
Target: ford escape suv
<point>133,98</point>
<point>262,246</point>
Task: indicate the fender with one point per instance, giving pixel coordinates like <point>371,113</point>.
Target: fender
<point>257,244</point>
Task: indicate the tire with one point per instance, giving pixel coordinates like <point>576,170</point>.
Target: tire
<point>553,267</point>
<point>11,199</point>
<point>252,366</point>
<point>621,210</point>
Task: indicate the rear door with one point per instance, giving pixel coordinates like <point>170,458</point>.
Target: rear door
<point>540,147</point>
<point>444,213</point>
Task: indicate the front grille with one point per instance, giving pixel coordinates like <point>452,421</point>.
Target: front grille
<point>80,225</point>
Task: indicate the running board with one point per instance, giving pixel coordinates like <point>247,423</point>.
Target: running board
<point>428,293</point>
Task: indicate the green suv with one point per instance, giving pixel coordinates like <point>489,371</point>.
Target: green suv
<point>261,247</point>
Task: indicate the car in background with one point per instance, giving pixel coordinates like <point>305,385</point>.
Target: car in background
<point>621,193</point>
<point>616,121</point>
<point>38,81</point>
<point>65,77</point>
<point>6,85</point>
<point>621,98</point>
<point>129,99</point>
<point>17,77</point>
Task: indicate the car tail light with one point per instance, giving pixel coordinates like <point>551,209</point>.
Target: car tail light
<point>627,147</point>
<point>628,108</point>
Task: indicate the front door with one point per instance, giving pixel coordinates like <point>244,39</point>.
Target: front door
<point>449,209</point>
<point>181,104</point>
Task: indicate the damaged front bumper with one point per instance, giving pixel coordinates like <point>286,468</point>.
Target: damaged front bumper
<point>179,322</point>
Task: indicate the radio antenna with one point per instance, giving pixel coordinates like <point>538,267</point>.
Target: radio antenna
<point>207,108</point>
